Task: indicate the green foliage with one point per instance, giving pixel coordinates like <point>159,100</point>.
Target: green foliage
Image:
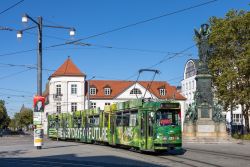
<point>22,119</point>
<point>244,137</point>
<point>4,118</point>
<point>230,59</point>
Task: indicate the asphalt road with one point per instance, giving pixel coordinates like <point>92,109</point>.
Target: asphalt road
<point>19,151</point>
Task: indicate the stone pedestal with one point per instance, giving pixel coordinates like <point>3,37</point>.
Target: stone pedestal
<point>222,133</point>
<point>189,130</point>
<point>206,131</point>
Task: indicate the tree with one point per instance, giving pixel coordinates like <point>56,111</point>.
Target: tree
<point>26,118</point>
<point>230,58</point>
<point>4,118</point>
<point>22,119</point>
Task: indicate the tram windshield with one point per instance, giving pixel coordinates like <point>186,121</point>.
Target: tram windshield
<point>167,117</point>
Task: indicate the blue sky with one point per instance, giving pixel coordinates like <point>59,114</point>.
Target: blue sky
<point>136,47</point>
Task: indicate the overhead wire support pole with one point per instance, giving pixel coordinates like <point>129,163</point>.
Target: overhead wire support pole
<point>39,25</point>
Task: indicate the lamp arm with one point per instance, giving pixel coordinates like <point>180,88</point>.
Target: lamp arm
<point>31,19</point>
<point>50,26</point>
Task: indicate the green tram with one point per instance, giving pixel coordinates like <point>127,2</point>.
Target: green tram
<point>145,126</point>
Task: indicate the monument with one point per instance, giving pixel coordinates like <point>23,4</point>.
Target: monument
<point>203,119</point>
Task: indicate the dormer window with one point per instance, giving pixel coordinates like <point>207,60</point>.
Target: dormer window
<point>107,91</point>
<point>135,91</point>
<point>162,91</point>
<point>92,91</point>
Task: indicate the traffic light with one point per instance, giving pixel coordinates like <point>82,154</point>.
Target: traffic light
<point>39,103</point>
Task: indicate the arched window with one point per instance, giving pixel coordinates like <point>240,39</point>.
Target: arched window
<point>190,69</point>
<point>135,91</point>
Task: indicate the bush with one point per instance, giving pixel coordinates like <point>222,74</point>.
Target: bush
<point>239,136</point>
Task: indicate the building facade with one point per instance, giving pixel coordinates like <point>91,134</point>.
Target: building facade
<point>188,84</point>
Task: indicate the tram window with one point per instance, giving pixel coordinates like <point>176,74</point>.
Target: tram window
<point>133,120</point>
<point>167,117</point>
<point>150,123</point>
<point>52,124</point>
<point>96,121</point>
<point>106,118</point>
<point>119,120</point>
<point>91,120</point>
<point>125,119</point>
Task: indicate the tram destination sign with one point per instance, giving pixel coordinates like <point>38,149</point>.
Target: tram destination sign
<point>170,105</point>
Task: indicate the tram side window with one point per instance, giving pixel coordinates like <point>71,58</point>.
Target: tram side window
<point>126,119</point>
<point>91,121</point>
<point>96,121</point>
<point>106,118</point>
<point>52,124</point>
<point>133,120</point>
<point>118,120</point>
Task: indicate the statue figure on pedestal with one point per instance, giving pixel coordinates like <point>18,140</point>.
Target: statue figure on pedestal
<point>202,41</point>
<point>217,114</point>
<point>191,113</point>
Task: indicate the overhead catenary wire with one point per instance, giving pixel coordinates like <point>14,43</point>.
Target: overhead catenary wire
<point>15,90</point>
<point>12,6</point>
<point>116,29</point>
<point>145,21</point>
<point>13,74</point>
<point>14,95</point>
<point>165,58</point>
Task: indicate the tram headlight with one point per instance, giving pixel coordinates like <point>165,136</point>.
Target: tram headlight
<point>159,135</point>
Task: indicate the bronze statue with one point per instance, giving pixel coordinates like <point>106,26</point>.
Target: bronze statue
<point>191,113</point>
<point>202,42</point>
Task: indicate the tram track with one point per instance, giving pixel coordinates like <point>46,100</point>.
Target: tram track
<point>181,161</point>
<point>222,154</point>
<point>164,160</point>
<point>157,159</point>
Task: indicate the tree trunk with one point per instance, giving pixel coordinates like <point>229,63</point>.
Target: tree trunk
<point>245,111</point>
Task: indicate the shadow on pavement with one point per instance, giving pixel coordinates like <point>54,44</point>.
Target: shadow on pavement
<point>72,160</point>
<point>60,146</point>
<point>11,153</point>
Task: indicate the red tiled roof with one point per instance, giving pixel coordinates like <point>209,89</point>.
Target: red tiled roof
<point>171,91</point>
<point>117,87</point>
<point>68,68</point>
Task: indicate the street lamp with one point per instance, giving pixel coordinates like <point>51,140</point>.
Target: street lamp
<point>19,34</point>
<point>39,25</point>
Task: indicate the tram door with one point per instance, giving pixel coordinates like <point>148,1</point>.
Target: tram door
<point>147,121</point>
<point>144,130</point>
<point>150,133</point>
<point>112,129</point>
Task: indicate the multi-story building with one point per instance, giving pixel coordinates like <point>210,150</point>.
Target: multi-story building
<point>68,91</point>
<point>188,84</point>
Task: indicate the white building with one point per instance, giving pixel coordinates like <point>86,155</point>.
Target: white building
<point>188,84</point>
<point>67,91</point>
<point>188,88</point>
<point>64,91</point>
